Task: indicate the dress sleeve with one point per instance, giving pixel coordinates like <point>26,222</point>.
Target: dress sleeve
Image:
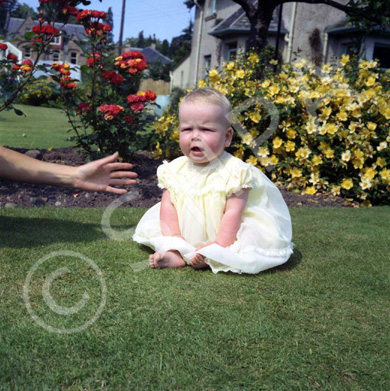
<point>240,178</point>
<point>163,177</point>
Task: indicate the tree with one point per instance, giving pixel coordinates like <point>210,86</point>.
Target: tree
<point>365,14</point>
<point>110,21</point>
<point>24,10</point>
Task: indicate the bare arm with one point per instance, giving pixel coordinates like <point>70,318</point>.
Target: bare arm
<point>231,219</point>
<point>168,216</point>
<point>94,176</point>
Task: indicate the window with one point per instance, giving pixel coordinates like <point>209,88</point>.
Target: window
<point>382,53</point>
<point>211,9</point>
<point>73,57</point>
<point>56,55</point>
<point>56,41</point>
<point>207,66</point>
<point>231,51</point>
<point>351,48</point>
<point>27,52</point>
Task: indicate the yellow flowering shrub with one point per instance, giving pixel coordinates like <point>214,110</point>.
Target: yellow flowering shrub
<point>37,93</point>
<point>324,130</point>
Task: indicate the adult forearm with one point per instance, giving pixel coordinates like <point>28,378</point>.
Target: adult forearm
<point>19,167</point>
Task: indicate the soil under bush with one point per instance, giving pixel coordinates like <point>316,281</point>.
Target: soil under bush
<point>143,195</point>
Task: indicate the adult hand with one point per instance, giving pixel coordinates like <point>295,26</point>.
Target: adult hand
<point>101,174</point>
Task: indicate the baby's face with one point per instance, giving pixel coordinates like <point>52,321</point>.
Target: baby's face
<point>204,133</point>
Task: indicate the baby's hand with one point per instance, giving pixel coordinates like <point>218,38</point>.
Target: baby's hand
<point>197,262</point>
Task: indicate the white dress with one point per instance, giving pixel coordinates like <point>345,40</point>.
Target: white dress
<point>199,195</point>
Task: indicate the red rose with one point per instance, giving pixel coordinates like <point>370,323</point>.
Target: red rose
<point>137,107</point>
<point>12,57</point>
<point>150,95</point>
<point>27,62</point>
<point>117,79</point>
<point>3,46</point>
<point>133,98</point>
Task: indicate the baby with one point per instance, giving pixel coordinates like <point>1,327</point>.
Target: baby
<point>216,211</point>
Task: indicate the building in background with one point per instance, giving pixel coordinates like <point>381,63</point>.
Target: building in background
<point>316,32</point>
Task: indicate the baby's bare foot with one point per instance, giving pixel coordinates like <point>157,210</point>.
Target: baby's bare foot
<point>168,259</point>
<point>197,262</point>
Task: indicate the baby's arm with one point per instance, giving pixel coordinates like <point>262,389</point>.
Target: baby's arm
<point>168,216</point>
<point>230,224</point>
<point>231,219</point>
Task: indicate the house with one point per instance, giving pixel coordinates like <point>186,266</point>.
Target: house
<point>180,76</point>
<point>64,48</point>
<point>316,32</point>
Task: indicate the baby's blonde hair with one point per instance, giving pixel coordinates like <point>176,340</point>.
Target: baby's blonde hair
<point>209,95</point>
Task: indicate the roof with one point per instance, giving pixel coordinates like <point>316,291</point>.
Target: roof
<point>151,54</point>
<point>70,29</point>
<point>238,23</point>
<point>344,27</point>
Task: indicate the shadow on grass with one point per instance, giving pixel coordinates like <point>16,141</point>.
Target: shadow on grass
<point>18,232</point>
<point>292,263</point>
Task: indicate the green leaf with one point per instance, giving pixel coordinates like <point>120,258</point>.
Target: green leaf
<point>19,112</point>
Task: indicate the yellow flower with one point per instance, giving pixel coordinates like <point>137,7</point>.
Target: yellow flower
<point>326,68</point>
<point>366,204</point>
<point>331,128</point>
<point>158,152</point>
<point>346,156</point>
<point>300,64</point>
<point>230,65</point>
<point>213,76</point>
<point>344,59</point>
<point>358,163</point>
<point>273,62</point>
<point>274,89</point>
<point>310,190</point>
<point>252,160</point>
<point>295,172</point>
<point>274,160</point>
<point>253,57</point>
<point>316,160</point>
<point>265,83</point>
<point>342,116</point>
<point>335,190</point>
<point>386,112</point>
<point>263,152</point>
<point>370,81</point>
<point>50,149</point>
<point>365,183</point>
<point>255,117</point>
<point>239,153</point>
<point>247,138</point>
<point>291,134</point>
<point>329,153</point>
<point>382,145</point>
<point>347,183</point>
<point>310,127</point>
<point>371,125</point>
<point>277,142</point>
<point>369,173</point>
<point>240,74</point>
<point>290,146</point>
<point>202,83</point>
<point>303,153</point>
<point>381,162</point>
<point>385,175</point>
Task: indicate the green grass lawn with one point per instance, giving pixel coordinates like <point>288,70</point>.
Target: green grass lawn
<point>41,127</point>
<point>320,322</point>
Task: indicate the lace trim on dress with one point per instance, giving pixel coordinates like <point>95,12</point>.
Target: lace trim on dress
<point>272,252</point>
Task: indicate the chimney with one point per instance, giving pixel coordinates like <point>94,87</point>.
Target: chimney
<point>153,45</point>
